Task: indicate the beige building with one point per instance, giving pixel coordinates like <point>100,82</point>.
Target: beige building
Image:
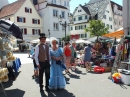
<point>24,14</point>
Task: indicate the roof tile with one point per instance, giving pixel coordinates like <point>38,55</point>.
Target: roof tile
<point>11,8</point>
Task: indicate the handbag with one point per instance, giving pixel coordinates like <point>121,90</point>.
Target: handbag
<point>58,62</point>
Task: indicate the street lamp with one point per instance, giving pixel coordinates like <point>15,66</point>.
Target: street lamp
<point>65,24</point>
<point>49,32</point>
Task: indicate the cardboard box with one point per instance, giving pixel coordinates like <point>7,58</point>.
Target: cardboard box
<point>108,69</point>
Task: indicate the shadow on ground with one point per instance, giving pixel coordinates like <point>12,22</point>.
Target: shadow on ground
<point>13,93</point>
<point>58,93</point>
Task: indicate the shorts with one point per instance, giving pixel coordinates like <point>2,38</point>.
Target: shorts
<point>68,58</point>
<point>35,68</point>
<point>72,60</point>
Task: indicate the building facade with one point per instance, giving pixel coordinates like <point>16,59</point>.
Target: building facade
<point>80,22</point>
<point>24,14</point>
<point>117,15</point>
<point>50,10</point>
<point>81,17</point>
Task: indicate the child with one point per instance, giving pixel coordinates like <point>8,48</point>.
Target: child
<point>35,66</point>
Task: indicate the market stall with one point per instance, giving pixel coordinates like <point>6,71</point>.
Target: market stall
<point>9,31</point>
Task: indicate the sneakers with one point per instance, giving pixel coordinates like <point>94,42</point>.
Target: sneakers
<point>86,72</point>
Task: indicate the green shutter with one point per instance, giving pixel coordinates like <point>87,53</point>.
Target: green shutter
<point>81,27</point>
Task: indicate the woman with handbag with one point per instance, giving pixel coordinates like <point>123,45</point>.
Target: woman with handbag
<point>57,80</point>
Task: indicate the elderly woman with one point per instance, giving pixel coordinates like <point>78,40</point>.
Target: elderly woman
<point>57,80</point>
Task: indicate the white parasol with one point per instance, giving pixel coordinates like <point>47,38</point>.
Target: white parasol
<point>87,42</point>
<point>80,41</point>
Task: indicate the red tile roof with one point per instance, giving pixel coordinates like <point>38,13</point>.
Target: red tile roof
<point>11,8</point>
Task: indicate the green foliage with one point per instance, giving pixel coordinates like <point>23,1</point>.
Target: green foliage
<point>67,38</point>
<point>96,28</point>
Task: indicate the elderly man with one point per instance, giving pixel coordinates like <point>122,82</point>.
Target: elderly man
<point>42,61</point>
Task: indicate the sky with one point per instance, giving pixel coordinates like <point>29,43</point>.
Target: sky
<point>75,3</point>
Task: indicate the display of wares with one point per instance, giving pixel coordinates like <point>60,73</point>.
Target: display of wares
<point>3,75</point>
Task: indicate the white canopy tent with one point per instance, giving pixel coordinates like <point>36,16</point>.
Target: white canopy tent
<point>88,42</point>
<point>80,41</point>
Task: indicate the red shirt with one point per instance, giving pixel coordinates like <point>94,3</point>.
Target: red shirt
<point>67,52</point>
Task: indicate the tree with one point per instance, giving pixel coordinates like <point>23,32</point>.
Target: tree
<point>96,28</point>
<point>67,38</point>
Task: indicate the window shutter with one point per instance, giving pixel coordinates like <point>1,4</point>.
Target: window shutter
<point>25,9</point>
<point>25,31</point>
<point>17,19</point>
<point>24,20</point>
<point>30,10</point>
<point>38,21</point>
<point>33,21</point>
<point>39,31</point>
<point>33,31</point>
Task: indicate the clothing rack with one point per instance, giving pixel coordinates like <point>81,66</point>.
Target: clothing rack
<point>4,33</point>
<point>117,60</point>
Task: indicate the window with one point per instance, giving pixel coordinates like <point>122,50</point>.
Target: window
<point>74,19</point>
<point>36,31</point>
<point>21,19</point>
<point>110,19</point>
<point>107,25</point>
<point>63,14</point>
<point>85,35</point>
<point>84,26</point>
<point>28,10</point>
<point>54,1</point>
<point>104,16</point>
<point>82,35</point>
<point>115,22</point>
<point>111,26</point>
<point>55,13</point>
<point>119,23</point>
<point>68,4</point>
<point>35,21</point>
<point>80,18</point>
<point>107,11</point>
<point>63,28</point>
<point>85,16</point>
<point>79,10</point>
<point>65,3</point>
<point>71,28</point>
<point>55,26</point>
<point>24,31</point>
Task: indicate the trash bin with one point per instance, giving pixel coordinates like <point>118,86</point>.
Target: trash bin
<point>125,77</point>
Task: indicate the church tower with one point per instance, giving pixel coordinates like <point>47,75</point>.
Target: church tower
<point>3,3</point>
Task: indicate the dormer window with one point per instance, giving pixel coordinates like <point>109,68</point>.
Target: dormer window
<point>28,10</point>
<point>79,10</point>
<point>54,1</point>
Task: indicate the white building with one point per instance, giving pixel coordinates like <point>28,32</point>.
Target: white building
<point>3,3</point>
<point>80,22</point>
<point>24,14</point>
<point>50,10</point>
<point>117,15</point>
<point>82,15</point>
<point>126,16</point>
